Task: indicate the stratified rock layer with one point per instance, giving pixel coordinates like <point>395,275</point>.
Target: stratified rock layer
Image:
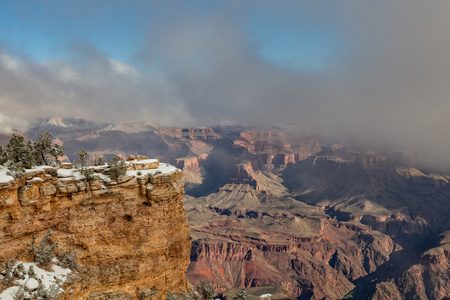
<point>323,264</point>
<point>128,236</point>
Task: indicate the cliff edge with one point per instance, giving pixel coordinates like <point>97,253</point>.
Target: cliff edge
<point>129,235</point>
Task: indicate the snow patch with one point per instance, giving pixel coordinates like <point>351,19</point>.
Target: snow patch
<point>30,284</point>
<point>64,172</point>
<point>143,161</point>
<point>56,122</point>
<point>36,179</point>
<point>4,178</point>
<point>163,168</point>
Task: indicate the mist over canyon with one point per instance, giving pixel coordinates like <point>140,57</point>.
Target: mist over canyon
<point>275,207</point>
<point>371,72</point>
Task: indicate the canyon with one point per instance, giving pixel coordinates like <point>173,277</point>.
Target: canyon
<point>280,208</point>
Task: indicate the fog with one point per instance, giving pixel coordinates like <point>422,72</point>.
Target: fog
<point>382,80</point>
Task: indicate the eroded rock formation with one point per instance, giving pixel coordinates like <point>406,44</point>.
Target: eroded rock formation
<point>311,256</point>
<point>129,235</point>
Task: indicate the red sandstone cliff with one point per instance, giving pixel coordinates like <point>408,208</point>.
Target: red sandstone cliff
<point>129,235</point>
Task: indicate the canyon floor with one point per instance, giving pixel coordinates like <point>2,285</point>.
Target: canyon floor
<point>292,214</point>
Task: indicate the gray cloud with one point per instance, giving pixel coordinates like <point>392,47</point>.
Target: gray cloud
<point>386,83</point>
<point>99,88</point>
<point>8,124</point>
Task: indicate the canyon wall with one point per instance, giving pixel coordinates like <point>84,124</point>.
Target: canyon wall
<point>321,266</point>
<point>128,235</point>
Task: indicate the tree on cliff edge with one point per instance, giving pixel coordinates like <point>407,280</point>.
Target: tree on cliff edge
<point>117,167</point>
<point>19,155</point>
<point>82,159</point>
<point>3,158</point>
<point>43,149</point>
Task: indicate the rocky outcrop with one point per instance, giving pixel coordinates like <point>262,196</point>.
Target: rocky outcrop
<point>192,172</point>
<point>243,173</point>
<point>367,187</point>
<point>317,266</point>
<point>190,133</point>
<point>430,278</point>
<point>277,148</point>
<point>128,235</point>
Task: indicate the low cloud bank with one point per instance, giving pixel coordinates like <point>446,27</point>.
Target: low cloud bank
<point>384,81</point>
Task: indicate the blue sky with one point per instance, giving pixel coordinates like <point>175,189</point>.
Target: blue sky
<point>45,30</point>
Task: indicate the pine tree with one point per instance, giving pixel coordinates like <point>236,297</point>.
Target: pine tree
<point>15,148</point>
<point>117,167</point>
<point>3,157</point>
<point>99,161</point>
<point>18,153</point>
<point>83,162</point>
<point>28,157</point>
<point>57,151</point>
<point>43,148</point>
<point>82,159</point>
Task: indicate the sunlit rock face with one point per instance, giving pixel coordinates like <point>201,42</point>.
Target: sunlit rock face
<point>317,266</point>
<point>129,235</point>
<point>276,148</point>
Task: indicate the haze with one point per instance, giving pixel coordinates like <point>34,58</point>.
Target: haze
<point>374,71</point>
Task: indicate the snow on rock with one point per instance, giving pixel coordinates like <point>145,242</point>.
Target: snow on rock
<point>9,293</point>
<point>136,168</point>
<point>163,168</point>
<point>65,173</point>
<point>36,179</point>
<point>4,178</point>
<point>69,174</point>
<point>30,284</point>
<point>143,161</point>
<point>142,164</point>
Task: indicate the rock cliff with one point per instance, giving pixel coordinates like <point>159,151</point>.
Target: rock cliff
<point>245,237</point>
<point>310,267</point>
<point>129,235</point>
<point>428,279</point>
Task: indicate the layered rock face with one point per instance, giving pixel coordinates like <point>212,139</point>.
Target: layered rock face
<point>368,188</point>
<point>129,235</point>
<point>311,265</point>
<point>277,148</point>
<point>430,278</point>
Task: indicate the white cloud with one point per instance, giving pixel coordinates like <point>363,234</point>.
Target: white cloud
<point>9,124</point>
<point>10,63</point>
<point>64,71</point>
<point>123,68</point>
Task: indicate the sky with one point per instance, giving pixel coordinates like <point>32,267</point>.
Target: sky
<point>376,71</point>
